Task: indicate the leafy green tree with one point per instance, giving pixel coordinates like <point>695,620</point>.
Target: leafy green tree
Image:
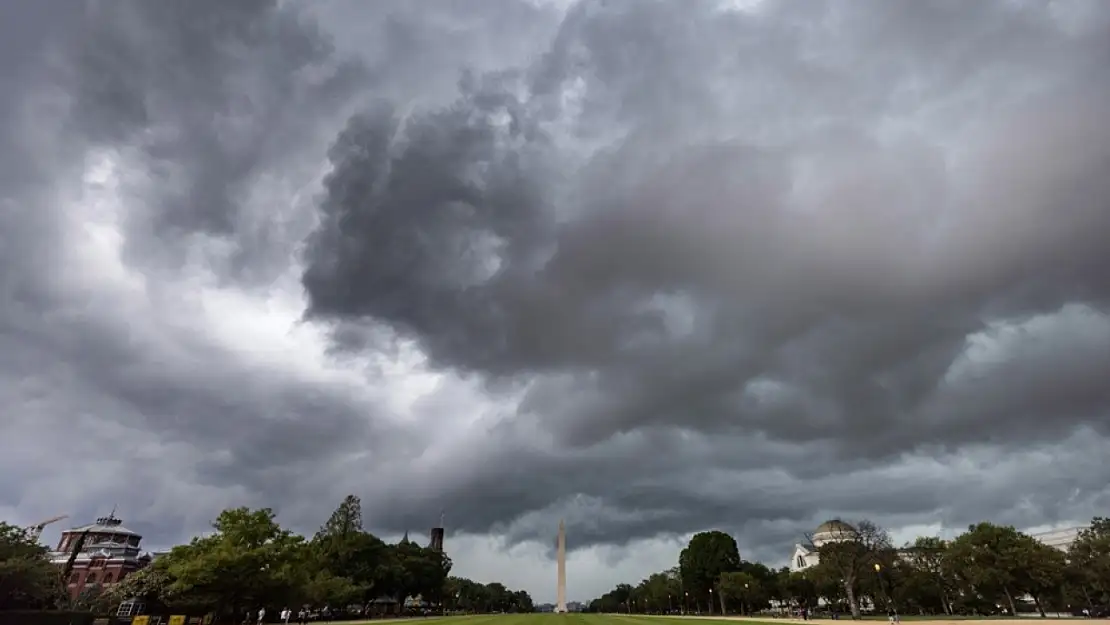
<point>354,563</point>
<point>775,586</point>
<point>852,559</point>
<point>93,599</point>
<point>522,602</point>
<point>1042,573</point>
<point>705,558</point>
<point>151,586</point>
<point>828,585</point>
<point>927,588</point>
<point>987,560</point>
<point>249,561</point>
<point>345,521</point>
<point>658,592</point>
<point>27,579</point>
<point>616,600</point>
<point>741,590</point>
<point>798,587</point>
<point>1089,564</point>
<point>324,588</point>
<point>418,571</point>
<point>471,596</point>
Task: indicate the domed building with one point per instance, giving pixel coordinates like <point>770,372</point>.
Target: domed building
<point>832,531</point>
<point>106,552</point>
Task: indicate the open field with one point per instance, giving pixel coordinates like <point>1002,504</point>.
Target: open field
<point>639,619</point>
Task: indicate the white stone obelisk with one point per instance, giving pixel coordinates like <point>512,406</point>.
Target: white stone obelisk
<point>561,589</point>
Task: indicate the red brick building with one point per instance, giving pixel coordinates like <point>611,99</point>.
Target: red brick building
<point>110,553</point>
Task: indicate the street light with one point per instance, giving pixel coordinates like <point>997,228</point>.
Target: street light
<point>882,588</point>
<point>711,601</point>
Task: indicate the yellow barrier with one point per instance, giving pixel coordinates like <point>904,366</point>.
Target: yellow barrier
<point>141,620</point>
<point>177,619</point>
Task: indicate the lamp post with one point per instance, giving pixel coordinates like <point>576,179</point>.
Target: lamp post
<point>882,588</point>
<point>685,602</point>
<point>711,601</point>
<point>744,604</point>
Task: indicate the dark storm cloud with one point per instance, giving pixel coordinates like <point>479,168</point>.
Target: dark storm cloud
<point>797,220</point>
<point>205,98</point>
<point>213,96</point>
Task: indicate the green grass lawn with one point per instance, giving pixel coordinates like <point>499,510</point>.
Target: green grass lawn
<point>611,619</point>
<point>556,619</point>
<point>559,619</point>
<point>562,619</point>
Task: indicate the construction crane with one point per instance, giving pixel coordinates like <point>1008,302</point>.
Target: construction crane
<point>35,531</point>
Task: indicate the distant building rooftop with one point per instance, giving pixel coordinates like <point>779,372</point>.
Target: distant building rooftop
<point>107,525</point>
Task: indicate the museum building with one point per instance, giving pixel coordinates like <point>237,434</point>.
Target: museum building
<point>108,553</point>
<point>835,530</point>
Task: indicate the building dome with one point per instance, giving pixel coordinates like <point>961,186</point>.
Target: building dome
<point>835,526</point>
<point>833,531</point>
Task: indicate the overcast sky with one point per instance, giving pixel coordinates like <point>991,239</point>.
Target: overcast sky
<point>651,267</point>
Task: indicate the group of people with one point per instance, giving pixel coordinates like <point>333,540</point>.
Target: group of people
<point>302,615</point>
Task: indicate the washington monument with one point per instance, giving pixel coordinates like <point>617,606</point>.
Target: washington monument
<point>561,555</point>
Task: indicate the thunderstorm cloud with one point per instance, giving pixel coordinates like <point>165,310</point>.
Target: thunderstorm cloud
<point>648,266</point>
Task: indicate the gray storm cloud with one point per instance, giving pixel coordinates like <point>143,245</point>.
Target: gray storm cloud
<point>693,266</point>
<point>842,251</point>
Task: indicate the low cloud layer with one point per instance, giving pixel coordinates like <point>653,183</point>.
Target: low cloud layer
<point>652,267</point>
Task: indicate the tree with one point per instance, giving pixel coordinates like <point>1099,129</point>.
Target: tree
<point>345,521</point>
<point>27,579</point>
<point>324,588</point>
<point>798,587</point>
<point>342,550</point>
<point>522,602</point>
<point>658,592</point>
<point>740,589</point>
<point>927,587</point>
<point>1089,563</point>
<point>616,600</point>
<point>987,560</point>
<point>151,586</point>
<point>249,561</point>
<point>705,558</point>
<point>853,556</point>
<point>1041,574</point>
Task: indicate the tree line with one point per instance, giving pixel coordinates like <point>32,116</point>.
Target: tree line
<point>249,561</point>
<point>989,569</point>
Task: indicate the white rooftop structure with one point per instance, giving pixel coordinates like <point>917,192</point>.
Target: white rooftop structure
<point>1062,538</point>
<point>104,525</point>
